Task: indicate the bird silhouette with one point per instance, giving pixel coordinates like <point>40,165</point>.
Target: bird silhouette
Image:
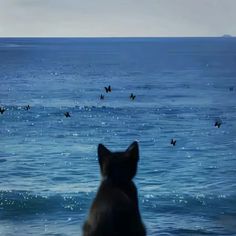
<point>2,109</point>
<point>218,124</point>
<point>173,142</point>
<point>108,89</point>
<point>132,96</point>
<point>67,114</point>
<point>27,107</point>
<point>102,97</point>
<point>231,88</point>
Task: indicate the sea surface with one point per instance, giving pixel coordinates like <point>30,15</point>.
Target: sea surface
<point>49,172</point>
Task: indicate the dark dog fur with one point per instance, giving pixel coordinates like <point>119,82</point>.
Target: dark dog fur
<point>115,211</point>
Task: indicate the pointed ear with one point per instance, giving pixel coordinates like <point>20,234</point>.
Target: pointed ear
<point>103,152</point>
<point>133,150</point>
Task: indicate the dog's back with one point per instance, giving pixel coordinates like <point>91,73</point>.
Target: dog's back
<point>115,211</point>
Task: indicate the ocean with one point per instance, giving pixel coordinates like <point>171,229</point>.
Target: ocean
<point>49,172</point>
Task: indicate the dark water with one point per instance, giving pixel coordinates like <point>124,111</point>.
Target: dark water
<point>48,163</point>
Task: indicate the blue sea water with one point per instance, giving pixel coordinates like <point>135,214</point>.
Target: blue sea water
<point>49,172</point>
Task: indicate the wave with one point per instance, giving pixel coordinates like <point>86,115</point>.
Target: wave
<point>9,45</point>
<point>19,203</point>
<point>15,204</point>
<point>194,232</point>
<point>189,204</point>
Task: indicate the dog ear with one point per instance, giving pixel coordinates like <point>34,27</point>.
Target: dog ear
<point>133,151</point>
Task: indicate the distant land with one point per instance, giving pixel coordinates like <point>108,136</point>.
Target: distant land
<point>227,36</point>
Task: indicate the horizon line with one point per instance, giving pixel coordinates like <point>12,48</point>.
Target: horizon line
<point>118,37</point>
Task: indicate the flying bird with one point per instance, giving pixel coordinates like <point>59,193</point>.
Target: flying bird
<point>27,107</point>
<point>67,114</point>
<point>173,142</point>
<point>102,97</point>
<point>108,89</point>
<point>2,109</point>
<point>218,124</point>
<point>132,96</point>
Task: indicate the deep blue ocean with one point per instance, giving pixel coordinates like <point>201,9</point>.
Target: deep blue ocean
<point>49,171</point>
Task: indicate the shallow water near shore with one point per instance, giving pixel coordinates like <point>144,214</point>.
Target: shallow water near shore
<point>49,172</point>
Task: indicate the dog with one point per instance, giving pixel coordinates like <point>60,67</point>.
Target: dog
<point>115,210</point>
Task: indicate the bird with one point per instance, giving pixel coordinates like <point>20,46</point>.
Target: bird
<point>67,114</point>
<point>2,109</point>
<point>132,96</point>
<point>218,123</point>
<point>231,88</point>
<point>108,89</point>
<point>102,97</point>
<point>27,107</point>
<point>173,142</point>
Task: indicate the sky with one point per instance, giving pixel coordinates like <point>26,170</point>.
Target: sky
<point>117,18</point>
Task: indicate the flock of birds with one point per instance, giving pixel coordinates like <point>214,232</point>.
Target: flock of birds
<point>108,89</point>
<point>218,123</point>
